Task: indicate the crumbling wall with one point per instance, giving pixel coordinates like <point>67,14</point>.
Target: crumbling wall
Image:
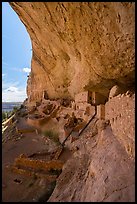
<point>90,97</point>
<point>82,97</point>
<point>120,110</point>
<point>101,112</point>
<point>98,98</point>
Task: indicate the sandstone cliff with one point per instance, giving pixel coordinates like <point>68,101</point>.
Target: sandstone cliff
<point>81,46</point>
<point>78,46</point>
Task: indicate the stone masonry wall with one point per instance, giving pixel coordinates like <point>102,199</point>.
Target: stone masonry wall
<point>81,97</point>
<point>120,110</point>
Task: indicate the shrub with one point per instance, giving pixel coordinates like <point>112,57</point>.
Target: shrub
<point>4,116</point>
<point>52,135</point>
<point>15,108</point>
<point>8,114</point>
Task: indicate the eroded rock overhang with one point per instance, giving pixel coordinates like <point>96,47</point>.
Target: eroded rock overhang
<point>79,46</point>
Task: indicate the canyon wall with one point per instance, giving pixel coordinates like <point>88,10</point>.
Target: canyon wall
<point>78,46</point>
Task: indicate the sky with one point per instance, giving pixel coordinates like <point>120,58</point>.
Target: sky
<point>16,56</point>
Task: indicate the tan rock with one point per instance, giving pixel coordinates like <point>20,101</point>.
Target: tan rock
<point>78,46</point>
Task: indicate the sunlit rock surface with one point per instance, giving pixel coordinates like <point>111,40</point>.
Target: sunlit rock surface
<point>78,46</point>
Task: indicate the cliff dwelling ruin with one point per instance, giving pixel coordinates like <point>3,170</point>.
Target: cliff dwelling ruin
<point>74,137</point>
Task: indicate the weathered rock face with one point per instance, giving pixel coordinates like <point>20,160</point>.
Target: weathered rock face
<point>78,46</point>
<point>100,170</point>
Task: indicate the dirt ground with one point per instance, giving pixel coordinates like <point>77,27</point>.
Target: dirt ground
<point>17,187</point>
